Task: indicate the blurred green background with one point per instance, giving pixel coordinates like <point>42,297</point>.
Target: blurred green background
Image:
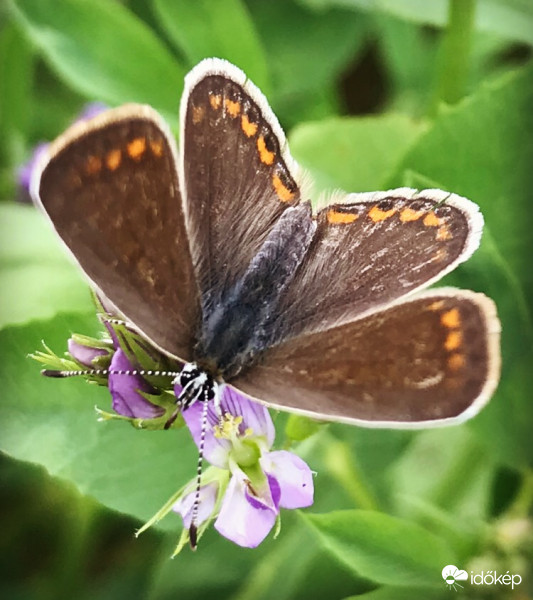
<point>373,95</point>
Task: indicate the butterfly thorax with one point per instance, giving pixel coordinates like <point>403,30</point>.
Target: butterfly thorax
<point>238,326</point>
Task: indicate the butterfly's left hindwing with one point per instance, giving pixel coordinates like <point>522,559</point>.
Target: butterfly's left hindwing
<point>432,359</point>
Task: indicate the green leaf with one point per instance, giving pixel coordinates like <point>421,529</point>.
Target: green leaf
<point>512,19</point>
<point>53,423</point>
<point>483,149</point>
<point>36,277</point>
<point>382,548</point>
<point>215,28</point>
<point>354,154</point>
<point>102,50</point>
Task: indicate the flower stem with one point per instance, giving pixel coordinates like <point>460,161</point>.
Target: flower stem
<point>452,70</point>
<point>343,466</point>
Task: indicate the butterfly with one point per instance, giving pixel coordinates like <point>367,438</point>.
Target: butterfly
<point>217,257</point>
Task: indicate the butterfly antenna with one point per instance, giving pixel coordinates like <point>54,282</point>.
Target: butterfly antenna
<point>107,372</point>
<point>193,529</point>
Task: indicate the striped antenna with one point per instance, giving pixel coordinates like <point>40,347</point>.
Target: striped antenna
<point>107,372</point>
<point>193,529</point>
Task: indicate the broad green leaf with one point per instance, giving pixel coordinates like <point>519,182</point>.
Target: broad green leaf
<point>102,50</point>
<point>382,548</point>
<point>354,154</point>
<point>512,19</point>
<point>483,149</point>
<point>53,423</point>
<point>36,276</point>
<point>51,535</point>
<point>215,28</point>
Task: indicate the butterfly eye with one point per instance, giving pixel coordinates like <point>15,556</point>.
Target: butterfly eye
<point>188,373</point>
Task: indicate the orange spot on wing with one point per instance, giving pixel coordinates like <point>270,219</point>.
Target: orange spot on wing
<point>408,214</point>
<point>443,233</point>
<point>437,305</point>
<point>431,220</point>
<point>198,113</point>
<point>248,127</point>
<point>233,108</point>
<point>283,192</point>
<point>456,361</point>
<point>377,215</point>
<point>136,148</point>
<point>451,318</point>
<point>215,100</point>
<point>113,159</point>
<point>453,340</point>
<point>336,217</point>
<point>156,146</point>
<point>93,165</point>
<point>265,155</point>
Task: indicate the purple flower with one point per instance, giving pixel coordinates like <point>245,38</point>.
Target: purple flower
<point>85,355</point>
<point>25,171</point>
<point>126,390</point>
<point>90,110</point>
<point>253,481</point>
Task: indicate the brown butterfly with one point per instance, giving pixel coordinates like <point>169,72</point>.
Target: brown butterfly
<point>216,256</point>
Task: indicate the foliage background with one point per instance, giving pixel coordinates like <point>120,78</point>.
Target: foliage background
<point>373,95</point>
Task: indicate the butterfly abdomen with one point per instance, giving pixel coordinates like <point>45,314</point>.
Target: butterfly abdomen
<point>237,328</point>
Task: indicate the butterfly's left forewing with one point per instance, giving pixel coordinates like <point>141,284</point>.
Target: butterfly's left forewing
<point>110,188</point>
<point>431,360</point>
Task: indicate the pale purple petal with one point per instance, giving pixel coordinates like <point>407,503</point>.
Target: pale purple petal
<point>90,110</point>
<point>239,521</point>
<point>207,500</point>
<point>255,416</point>
<point>293,475</point>
<point>84,354</point>
<point>216,450</point>
<point>25,172</point>
<point>124,390</point>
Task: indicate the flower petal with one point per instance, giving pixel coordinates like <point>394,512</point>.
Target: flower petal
<point>216,450</point>
<point>125,391</point>
<point>91,110</point>
<point>26,171</point>
<point>241,522</point>
<point>84,354</point>
<point>293,475</point>
<point>255,416</point>
<point>207,500</point>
